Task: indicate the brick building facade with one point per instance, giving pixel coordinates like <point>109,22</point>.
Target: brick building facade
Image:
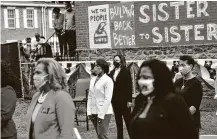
<point>21,19</point>
<point>201,16</point>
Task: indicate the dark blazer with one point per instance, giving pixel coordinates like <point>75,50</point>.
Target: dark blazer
<point>167,118</point>
<point>8,104</point>
<point>122,92</point>
<point>55,119</point>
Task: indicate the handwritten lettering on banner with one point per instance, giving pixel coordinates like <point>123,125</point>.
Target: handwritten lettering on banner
<point>122,24</point>
<point>176,23</point>
<point>99,26</point>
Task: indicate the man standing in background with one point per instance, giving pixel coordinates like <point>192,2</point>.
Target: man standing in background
<point>69,28</point>
<point>58,26</point>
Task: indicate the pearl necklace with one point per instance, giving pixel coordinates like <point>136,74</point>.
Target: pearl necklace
<point>42,98</point>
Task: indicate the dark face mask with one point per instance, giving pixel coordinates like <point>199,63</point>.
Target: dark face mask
<point>116,64</point>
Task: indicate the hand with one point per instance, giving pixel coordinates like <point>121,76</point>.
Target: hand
<point>129,104</point>
<point>192,110</point>
<point>99,121</point>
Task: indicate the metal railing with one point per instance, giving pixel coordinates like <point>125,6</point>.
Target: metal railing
<point>54,43</point>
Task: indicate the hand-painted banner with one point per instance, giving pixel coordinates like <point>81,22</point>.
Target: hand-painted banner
<point>176,23</point>
<point>155,23</point>
<point>122,24</point>
<point>99,26</point>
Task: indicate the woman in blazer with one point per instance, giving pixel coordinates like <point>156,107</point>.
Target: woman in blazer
<point>8,102</point>
<point>99,108</point>
<point>159,113</point>
<point>122,94</point>
<point>51,112</point>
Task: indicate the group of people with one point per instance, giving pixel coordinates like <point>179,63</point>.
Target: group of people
<point>34,49</point>
<point>64,25</point>
<point>162,109</point>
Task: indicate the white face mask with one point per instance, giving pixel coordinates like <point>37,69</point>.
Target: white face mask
<point>146,86</point>
<point>40,81</point>
<point>184,70</point>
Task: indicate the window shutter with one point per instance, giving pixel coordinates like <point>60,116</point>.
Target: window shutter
<point>24,18</point>
<point>17,18</point>
<point>50,18</point>
<point>6,18</point>
<point>35,19</point>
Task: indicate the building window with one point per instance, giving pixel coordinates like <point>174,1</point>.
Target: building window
<point>30,18</point>
<point>11,18</point>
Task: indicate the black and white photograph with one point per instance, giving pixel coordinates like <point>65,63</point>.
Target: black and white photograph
<point>108,69</point>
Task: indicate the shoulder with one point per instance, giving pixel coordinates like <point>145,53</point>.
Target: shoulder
<point>62,95</point>
<point>125,70</point>
<point>178,80</point>
<point>8,91</point>
<point>172,98</point>
<point>107,79</point>
<point>93,78</point>
<point>196,80</point>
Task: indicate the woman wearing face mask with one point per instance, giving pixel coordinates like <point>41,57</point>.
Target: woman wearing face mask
<point>99,108</point>
<point>190,88</point>
<point>51,112</point>
<point>158,112</point>
<point>122,94</point>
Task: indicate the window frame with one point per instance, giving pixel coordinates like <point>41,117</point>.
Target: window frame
<point>32,18</point>
<point>9,18</point>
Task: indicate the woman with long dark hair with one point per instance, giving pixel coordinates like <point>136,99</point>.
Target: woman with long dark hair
<point>8,102</point>
<point>159,112</point>
<point>122,93</point>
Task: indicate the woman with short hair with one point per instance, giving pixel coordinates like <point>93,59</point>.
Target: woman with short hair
<point>51,112</point>
<point>99,108</point>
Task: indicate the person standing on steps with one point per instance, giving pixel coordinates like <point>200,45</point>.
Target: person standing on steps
<point>58,26</point>
<point>69,29</point>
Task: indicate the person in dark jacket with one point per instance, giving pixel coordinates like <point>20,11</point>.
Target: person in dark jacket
<point>8,102</point>
<point>159,113</point>
<point>122,93</point>
<point>190,88</point>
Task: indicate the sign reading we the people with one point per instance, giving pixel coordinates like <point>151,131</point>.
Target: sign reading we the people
<point>176,23</point>
<point>99,26</point>
<point>122,24</point>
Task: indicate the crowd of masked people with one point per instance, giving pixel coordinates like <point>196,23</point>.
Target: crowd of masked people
<point>162,109</point>
<point>64,26</point>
